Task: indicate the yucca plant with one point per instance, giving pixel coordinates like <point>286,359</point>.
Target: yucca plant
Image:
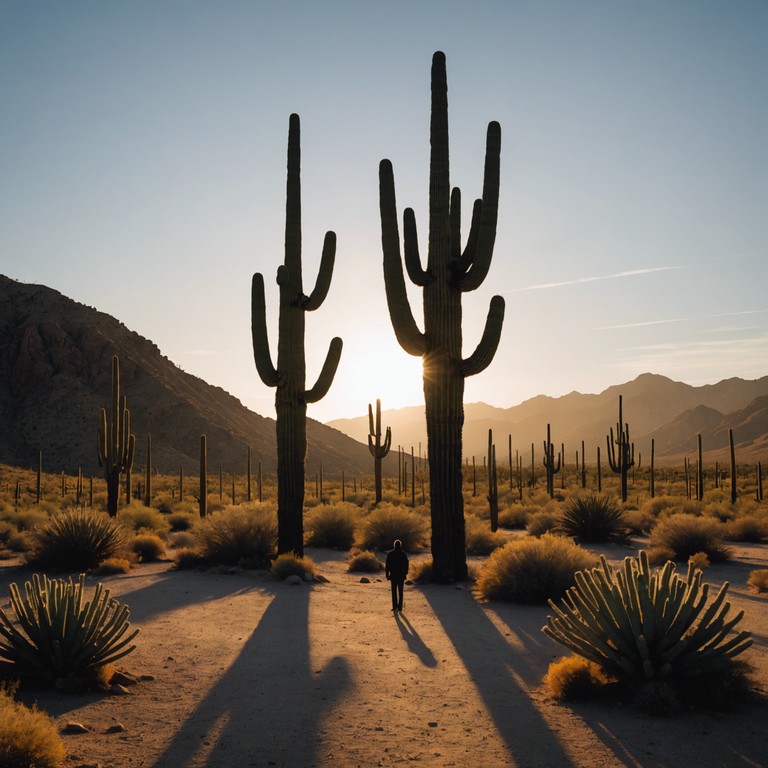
<point>76,540</point>
<point>594,518</point>
<point>641,625</point>
<point>59,636</point>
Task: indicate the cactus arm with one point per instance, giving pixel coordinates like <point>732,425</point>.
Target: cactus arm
<point>327,373</point>
<point>102,437</point>
<point>481,358</point>
<point>481,253</point>
<point>417,275</point>
<point>387,442</point>
<point>267,371</point>
<point>410,338</point>
<point>317,297</point>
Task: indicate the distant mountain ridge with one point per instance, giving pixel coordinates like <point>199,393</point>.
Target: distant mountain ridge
<point>55,374</point>
<point>669,412</point>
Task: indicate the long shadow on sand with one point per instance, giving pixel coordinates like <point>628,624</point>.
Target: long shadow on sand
<point>494,666</point>
<point>415,644</point>
<point>250,717</point>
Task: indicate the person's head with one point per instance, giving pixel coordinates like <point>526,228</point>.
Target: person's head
<point>398,544</point>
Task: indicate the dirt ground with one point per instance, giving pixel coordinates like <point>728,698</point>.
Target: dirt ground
<point>254,673</point>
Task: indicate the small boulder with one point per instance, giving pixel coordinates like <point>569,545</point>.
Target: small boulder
<point>74,727</point>
<point>293,580</point>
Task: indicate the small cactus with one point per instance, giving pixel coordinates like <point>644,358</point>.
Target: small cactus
<point>376,448</point>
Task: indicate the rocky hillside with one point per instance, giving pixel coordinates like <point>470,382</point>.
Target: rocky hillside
<point>55,375</point>
<point>669,412</point>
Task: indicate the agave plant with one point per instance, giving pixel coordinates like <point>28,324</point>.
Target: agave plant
<point>76,540</point>
<point>58,635</point>
<point>594,518</point>
<point>640,625</point>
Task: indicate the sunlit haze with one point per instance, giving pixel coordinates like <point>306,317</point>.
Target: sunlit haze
<point>142,157</point>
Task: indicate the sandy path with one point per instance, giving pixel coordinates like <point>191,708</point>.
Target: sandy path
<point>249,672</point>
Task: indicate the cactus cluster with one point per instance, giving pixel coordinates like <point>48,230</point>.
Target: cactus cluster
<point>288,376</point>
<point>621,452</point>
<point>377,449</point>
<point>115,441</point>
<point>58,635</point>
<point>643,625</point>
<point>450,272</point>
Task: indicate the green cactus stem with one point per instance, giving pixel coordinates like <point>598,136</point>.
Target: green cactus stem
<point>115,441</point>
<point>493,484</point>
<point>550,465</point>
<point>621,452</point>
<point>449,273</point>
<point>376,447</point>
<point>288,377</point>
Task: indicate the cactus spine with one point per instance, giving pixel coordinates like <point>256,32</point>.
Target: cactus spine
<point>115,441</point>
<point>288,377</point>
<point>448,274</point>
<point>621,452</point>
<point>376,448</point>
<point>549,464</point>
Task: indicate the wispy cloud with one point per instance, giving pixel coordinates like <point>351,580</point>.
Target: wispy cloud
<point>721,329</point>
<point>640,325</point>
<point>596,278</point>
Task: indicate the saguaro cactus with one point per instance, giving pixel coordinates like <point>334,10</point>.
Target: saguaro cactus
<point>115,441</point>
<point>288,377</point>
<point>449,273</point>
<point>493,484</point>
<point>549,464</point>
<point>377,449</point>
<point>621,452</point>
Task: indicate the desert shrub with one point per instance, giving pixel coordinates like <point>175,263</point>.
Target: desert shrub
<point>687,534</point>
<point>515,516</point>
<point>657,505</point>
<point>699,560</point>
<point>758,579</point>
<point>332,525</point>
<point>387,523</point>
<point>660,555</point>
<point>165,503</point>
<point>359,498</point>
<point>113,565</point>
<point>575,677</point>
<point>364,561</point>
<point>479,537</point>
<point>182,539</point>
<point>616,620</point>
<point>187,558</point>
<point>638,520</point>
<point>181,521</point>
<point>26,518</point>
<point>532,570</point>
<point>542,522</point>
<point>140,518</point>
<point>59,637</point>
<point>288,564</point>
<point>242,535</point>
<point>421,572</point>
<point>6,529</point>
<point>148,547</point>
<point>720,511</point>
<point>76,540</point>
<point>593,518</point>
<point>749,528</point>
<point>28,737</point>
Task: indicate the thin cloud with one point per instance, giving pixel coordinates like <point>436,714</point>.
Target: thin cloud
<point>594,279</point>
<point>640,325</point>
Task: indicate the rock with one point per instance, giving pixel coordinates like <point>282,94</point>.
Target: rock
<point>116,728</point>
<point>365,580</point>
<point>432,724</point>
<point>118,690</point>
<point>293,580</point>
<point>321,579</point>
<point>308,576</point>
<point>123,678</point>
<point>146,678</point>
<point>74,727</point>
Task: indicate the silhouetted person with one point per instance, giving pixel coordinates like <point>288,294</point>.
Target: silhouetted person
<point>397,569</point>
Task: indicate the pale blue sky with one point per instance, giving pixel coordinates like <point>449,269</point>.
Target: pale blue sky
<point>142,171</point>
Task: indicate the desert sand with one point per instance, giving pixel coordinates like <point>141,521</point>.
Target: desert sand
<point>249,672</point>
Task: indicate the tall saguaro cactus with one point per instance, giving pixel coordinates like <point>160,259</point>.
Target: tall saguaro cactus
<point>450,272</point>
<point>377,449</point>
<point>621,452</point>
<point>115,441</point>
<point>549,463</point>
<point>288,377</point>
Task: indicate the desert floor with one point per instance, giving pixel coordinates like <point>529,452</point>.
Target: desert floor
<point>250,672</point>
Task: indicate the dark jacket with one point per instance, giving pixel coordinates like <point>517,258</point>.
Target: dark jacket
<point>397,565</point>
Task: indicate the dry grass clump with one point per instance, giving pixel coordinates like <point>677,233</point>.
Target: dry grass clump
<point>719,510</point>
<point>479,537</point>
<point>516,516</point>
<point>657,505</point>
<point>244,535</point>
<point>26,518</point>
<point>533,570</point>
<point>748,528</point>
<point>76,540</point>
<point>639,520</point>
<point>140,518</point>
<point>387,523</point>
<point>363,561</point>
<point>686,535</point>
<point>188,558</point>
<point>28,737</point>
<point>593,518</point>
<point>542,522</point>
<point>758,580</point>
<point>332,525</point>
<point>182,539</point>
<point>148,546</point>
<point>288,564</point>
<point>699,560</point>
<point>113,566</point>
<point>181,521</point>
<point>660,555</point>
<point>574,677</point>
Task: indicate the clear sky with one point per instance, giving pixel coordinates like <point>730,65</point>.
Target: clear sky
<point>142,171</point>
